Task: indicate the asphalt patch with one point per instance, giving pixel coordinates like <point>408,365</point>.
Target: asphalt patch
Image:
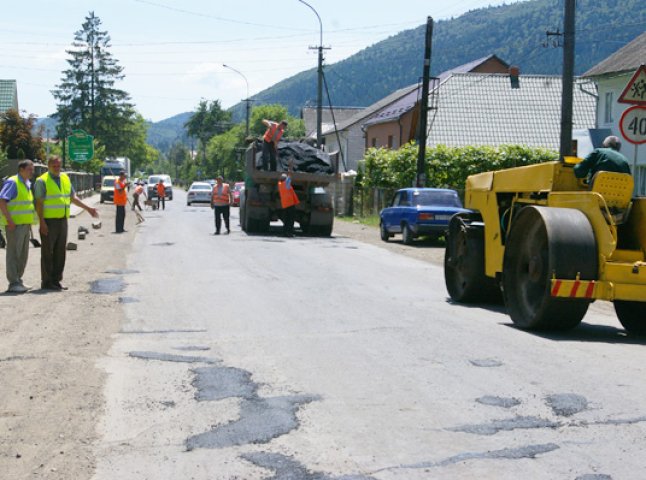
<point>503,402</point>
<point>193,348</point>
<point>506,425</point>
<point>486,362</point>
<point>529,451</point>
<point>218,383</point>
<point>286,468</point>
<point>128,300</point>
<point>17,358</point>
<point>106,286</point>
<point>594,476</point>
<point>567,404</point>
<point>167,357</point>
<point>261,420</point>
<point>163,244</point>
<point>125,271</point>
<point>155,332</point>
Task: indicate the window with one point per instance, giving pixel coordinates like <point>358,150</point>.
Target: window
<point>405,201</point>
<point>390,141</point>
<point>374,142</point>
<point>607,117</point>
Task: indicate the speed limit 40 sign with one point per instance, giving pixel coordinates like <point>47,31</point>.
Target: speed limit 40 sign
<point>633,124</point>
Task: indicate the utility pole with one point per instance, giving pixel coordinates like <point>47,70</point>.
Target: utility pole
<point>420,181</point>
<point>319,86</point>
<point>568,78</point>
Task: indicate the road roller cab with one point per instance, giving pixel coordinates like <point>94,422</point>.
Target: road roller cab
<point>552,244</point>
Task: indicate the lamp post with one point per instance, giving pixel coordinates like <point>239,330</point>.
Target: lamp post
<point>246,100</point>
<point>319,89</point>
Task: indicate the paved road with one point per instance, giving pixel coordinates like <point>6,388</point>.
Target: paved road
<point>256,357</point>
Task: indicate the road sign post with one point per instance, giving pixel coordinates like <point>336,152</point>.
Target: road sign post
<point>80,146</point>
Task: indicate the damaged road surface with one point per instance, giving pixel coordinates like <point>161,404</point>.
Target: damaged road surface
<point>263,357</point>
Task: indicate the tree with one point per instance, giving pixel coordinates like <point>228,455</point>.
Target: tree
<point>207,121</point>
<point>178,156</point>
<point>87,98</point>
<point>16,137</point>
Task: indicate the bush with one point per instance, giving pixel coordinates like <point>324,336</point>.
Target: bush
<point>446,167</point>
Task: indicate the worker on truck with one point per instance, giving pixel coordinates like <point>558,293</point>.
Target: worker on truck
<point>606,159</point>
<point>270,141</point>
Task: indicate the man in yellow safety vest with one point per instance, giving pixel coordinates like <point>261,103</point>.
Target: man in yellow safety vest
<point>17,214</point>
<point>54,194</point>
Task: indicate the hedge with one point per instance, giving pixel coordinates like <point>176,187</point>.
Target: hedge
<point>446,167</point>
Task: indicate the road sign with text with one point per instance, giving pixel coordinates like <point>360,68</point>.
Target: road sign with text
<point>633,124</point>
<point>80,146</point>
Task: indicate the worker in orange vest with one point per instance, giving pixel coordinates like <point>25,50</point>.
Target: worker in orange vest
<point>139,191</point>
<point>161,194</point>
<point>288,201</point>
<point>221,200</point>
<point>270,141</point>
<point>120,200</point>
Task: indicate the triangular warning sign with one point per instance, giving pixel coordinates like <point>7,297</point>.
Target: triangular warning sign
<point>635,91</point>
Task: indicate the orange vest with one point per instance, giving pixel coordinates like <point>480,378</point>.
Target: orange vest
<point>288,197</point>
<point>273,133</point>
<point>120,194</point>
<point>161,190</point>
<point>221,200</point>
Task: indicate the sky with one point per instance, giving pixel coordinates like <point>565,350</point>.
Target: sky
<point>173,52</point>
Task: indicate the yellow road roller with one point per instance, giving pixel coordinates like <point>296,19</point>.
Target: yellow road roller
<point>551,244</point>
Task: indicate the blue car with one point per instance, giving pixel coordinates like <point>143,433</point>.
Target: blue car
<point>419,211</point>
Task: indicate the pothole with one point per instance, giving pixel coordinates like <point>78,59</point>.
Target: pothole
<point>168,357</point>
<point>105,286</point>
<point>567,404</point>
<point>503,402</point>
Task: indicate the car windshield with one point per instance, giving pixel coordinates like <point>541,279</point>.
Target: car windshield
<point>437,199</point>
<point>200,187</point>
<point>238,186</point>
<point>153,180</point>
<point>108,182</point>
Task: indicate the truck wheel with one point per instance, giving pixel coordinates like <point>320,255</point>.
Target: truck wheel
<point>102,200</point>
<point>385,236</point>
<point>632,316</point>
<point>407,234</point>
<point>464,264</point>
<point>544,243</point>
<point>323,230</point>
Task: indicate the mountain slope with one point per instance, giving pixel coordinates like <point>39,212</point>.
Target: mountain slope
<point>515,33</point>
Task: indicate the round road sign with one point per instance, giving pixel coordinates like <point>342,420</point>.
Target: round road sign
<point>633,124</point>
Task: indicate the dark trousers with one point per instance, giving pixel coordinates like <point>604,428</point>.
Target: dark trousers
<point>219,213</point>
<point>52,252</point>
<point>135,202</point>
<point>161,199</point>
<point>268,156</point>
<point>288,220</point>
<point>121,218</point>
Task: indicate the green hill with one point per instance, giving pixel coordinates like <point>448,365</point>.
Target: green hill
<point>515,33</point>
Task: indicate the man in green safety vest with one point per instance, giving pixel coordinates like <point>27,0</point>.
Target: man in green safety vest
<point>17,214</point>
<point>54,194</point>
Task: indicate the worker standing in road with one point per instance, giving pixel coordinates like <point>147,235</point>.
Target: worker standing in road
<point>161,194</point>
<point>606,159</point>
<point>288,201</point>
<point>54,193</point>
<point>270,140</point>
<point>221,200</point>
<point>120,200</point>
<point>17,214</point>
<point>139,191</point>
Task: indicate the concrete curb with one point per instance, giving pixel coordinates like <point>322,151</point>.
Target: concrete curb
<point>92,201</point>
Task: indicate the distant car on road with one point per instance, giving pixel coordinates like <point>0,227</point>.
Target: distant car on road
<point>107,189</point>
<point>238,187</point>
<point>199,192</point>
<point>153,180</point>
<point>419,211</point>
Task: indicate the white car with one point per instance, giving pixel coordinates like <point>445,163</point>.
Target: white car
<point>199,192</point>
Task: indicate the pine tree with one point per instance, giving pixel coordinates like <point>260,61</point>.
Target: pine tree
<point>87,98</point>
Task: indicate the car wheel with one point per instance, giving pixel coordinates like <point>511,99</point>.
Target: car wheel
<point>407,234</point>
<point>188,204</point>
<point>102,201</point>
<point>384,232</point>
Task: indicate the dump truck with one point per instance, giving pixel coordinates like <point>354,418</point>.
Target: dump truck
<point>312,173</point>
<point>551,244</point>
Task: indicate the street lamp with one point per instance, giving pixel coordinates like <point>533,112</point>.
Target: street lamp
<point>319,93</point>
<point>246,100</point>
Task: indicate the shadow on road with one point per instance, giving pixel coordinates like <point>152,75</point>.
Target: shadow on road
<point>495,306</point>
<point>586,332</point>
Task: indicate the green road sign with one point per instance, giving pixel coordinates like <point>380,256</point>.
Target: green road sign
<point>80,146</point>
